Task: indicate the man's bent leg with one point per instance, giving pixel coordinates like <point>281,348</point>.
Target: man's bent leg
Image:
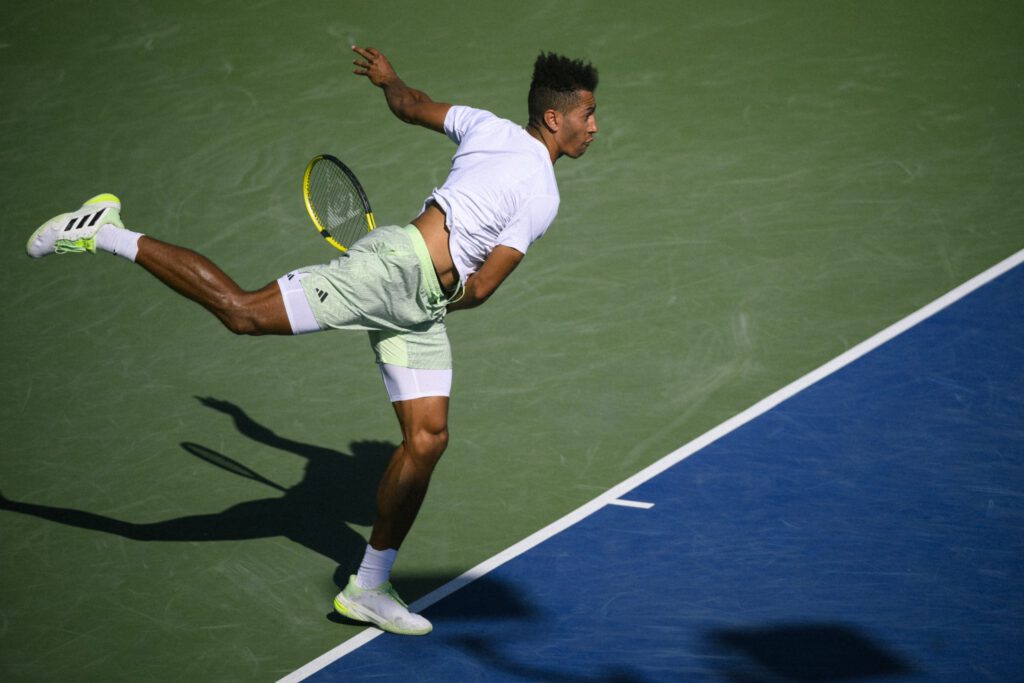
<point>424,423</point>
<point>196,277</point>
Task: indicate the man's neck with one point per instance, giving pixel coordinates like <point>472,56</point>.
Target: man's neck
<point>538,134</point>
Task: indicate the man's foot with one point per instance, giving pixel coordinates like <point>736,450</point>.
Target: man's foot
<point>71,233</point>
<point>380,606</point>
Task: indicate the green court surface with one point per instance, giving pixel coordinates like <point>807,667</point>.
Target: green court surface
<point>772,183</point>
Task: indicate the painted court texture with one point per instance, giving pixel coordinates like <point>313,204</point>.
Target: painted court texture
<point>772,185</point>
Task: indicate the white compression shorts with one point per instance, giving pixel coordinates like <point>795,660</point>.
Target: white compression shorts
<point>300,315</point>
<point>402,384</point>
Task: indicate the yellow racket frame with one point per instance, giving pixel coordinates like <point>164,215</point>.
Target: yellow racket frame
<point>371,222</point>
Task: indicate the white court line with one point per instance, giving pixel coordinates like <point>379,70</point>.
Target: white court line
<point>631,504</point>
<point>673,458</point>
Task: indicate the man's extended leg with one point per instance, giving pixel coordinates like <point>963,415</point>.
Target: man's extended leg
<point>369,595</point>
<point>196,277</point>
<point>97,225</point>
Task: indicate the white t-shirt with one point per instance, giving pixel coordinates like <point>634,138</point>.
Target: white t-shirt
<point>501,189</point>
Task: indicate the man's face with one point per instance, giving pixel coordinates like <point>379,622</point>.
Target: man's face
<point>578,127</point>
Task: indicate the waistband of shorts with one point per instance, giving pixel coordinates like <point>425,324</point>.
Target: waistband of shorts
<point>426,264</point>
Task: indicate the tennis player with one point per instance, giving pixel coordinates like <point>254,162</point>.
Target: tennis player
<point>396,282</point>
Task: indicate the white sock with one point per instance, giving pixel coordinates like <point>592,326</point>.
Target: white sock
<point>376,567</point>
<point>118,241</point>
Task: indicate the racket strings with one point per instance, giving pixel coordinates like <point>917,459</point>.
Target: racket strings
<point>337,203</point>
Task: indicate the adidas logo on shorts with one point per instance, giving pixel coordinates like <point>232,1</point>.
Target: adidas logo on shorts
<point>321,294</point>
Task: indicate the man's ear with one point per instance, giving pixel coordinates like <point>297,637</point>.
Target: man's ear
<point>553,120</point>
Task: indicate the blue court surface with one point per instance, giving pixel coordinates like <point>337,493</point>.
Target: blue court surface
<point>870,526</point>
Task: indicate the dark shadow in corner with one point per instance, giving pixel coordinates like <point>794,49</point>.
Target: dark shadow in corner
<point>337,489</point>
<point>807,653</point>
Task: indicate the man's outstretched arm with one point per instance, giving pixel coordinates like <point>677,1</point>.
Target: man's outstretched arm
<point>408,104</point>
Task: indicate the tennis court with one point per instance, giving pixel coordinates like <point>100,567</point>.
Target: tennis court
<point>862,523</point>
<point>771,186</point>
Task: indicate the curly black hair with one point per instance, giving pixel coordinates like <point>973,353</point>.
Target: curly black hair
<point>556,82</point>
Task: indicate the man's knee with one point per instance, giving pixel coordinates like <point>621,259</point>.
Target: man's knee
<point>239,320</point>
<point>424,428</point>
<point>427,445</point>
<point>255,313</point>
<point>242,324</point>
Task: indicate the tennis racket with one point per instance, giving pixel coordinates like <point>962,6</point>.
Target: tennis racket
<point>336,201</point>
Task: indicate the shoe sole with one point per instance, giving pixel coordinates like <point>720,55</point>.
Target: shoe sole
<point>357,614</point>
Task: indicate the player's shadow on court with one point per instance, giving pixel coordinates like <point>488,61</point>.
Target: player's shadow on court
<point>811,653</point>
<point>338,489</point>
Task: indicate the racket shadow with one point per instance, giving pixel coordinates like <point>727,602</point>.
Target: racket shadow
<point>225,463</point>
<point>336,490</point>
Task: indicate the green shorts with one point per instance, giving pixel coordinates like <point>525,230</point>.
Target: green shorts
<point>385,284</point>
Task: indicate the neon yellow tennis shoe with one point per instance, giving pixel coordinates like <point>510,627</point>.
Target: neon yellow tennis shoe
<point>74,233</point>
<point>381,607</point>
